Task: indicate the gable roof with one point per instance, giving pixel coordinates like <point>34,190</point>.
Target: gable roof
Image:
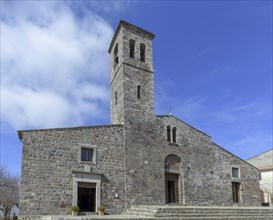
<point>263,161</point>
<point>166,116</point>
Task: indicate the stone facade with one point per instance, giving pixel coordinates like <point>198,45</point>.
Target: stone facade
<point>129,73</point>
<point>51,161</point>
<point>264,162</point>
<point>139,159</point>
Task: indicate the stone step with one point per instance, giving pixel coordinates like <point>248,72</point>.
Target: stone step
<point>158,208</point>
<point>222,215</point>
<point>207,212</point>
<point>138,214</point>
<point>212,215</point>
<point>113,217</point>
<point>186,212</point>
<point>211,212</point>
<point>46,218</point>
<point>201,211</point>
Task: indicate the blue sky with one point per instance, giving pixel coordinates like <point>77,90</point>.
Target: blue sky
<point>212,61</point>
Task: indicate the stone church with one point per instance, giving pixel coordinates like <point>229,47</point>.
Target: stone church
<point>140,158</point>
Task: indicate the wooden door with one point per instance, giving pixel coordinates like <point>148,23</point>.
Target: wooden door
<point>236,192</point>
<point>171,188</point>
<point>87,196</point>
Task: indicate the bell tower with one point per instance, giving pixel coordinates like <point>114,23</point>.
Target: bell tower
<point>132,75</point>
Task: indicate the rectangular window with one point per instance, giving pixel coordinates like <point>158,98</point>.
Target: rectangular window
<point>235,172</point>
<point>87,154</point>
<point>116,55</point>
<point>142,52</point>
<point>132,48</point>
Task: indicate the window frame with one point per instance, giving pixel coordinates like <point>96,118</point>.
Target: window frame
<point>85,154</point>
<point>169,136</point>
<point>174,134</point>
<point>132,48</point>
<point>142,52</point>
<point>138,91</point>
<point>239,172</point>
<point>116,97</point>
<point>90,147</point>
<point>115,55</point>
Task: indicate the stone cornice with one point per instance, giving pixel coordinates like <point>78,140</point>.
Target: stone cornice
<point>131,27</point>
<point>21,132</point>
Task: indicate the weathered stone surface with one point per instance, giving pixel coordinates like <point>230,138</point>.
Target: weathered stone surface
<point>128,74</point>
<point>205,167</point>
<point>130,156</point>
<point>50,156</point>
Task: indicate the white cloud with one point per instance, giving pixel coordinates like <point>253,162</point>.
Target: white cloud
<point>54,68</point>
<point>239,110</point>
<point>189,108</point>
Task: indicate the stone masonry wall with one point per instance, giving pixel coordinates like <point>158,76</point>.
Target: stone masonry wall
<point>249,177</point>
<point>206,167</point>
<point>117,92</point>
<point>127,75</point>
<point>50,156</point>
<point>138,109</point>
<point>130,157</point>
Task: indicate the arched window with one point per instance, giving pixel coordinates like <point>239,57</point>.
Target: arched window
<point>168,133</point>
<point>174,135</point>
<point>132,48</point>
<point>138,91</point>
<point>116,97</point>
<point>142,52</point>
<point>116,55</point>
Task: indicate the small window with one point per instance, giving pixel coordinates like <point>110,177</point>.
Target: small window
<point>174,135</point>
<point>235,172</point>
<point>132,48</point>
<point>86,154</point>
<point>142,52</point>
<point>116,54</point>
<point>116,97</point>
<point>138,91</point>
<point>168,133</point>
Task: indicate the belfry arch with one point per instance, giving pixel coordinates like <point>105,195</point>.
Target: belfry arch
<point>173,179</point>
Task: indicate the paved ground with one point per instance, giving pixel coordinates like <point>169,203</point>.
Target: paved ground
<point>94,217</point>
<point>178,213</point>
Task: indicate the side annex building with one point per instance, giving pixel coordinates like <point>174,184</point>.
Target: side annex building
<point>140,158</point>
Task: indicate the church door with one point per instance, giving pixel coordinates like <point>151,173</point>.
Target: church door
<point>87,196</point>
<point>236,192</point>
<point>172,165</point>
<point>171,188</point>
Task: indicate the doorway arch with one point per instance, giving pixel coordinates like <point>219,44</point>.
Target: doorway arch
<point>173,179</point>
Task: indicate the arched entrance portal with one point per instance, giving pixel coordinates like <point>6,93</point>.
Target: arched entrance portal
<point>172,179</point>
